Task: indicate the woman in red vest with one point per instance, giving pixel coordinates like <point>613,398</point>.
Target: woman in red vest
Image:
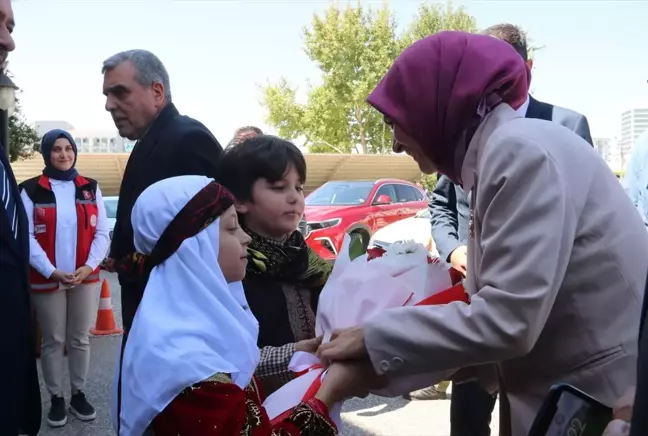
<point>69,237</point>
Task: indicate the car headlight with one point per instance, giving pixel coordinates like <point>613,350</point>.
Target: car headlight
<point>327,224</point>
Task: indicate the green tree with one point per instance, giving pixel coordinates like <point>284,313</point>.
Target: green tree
<point>429,181</point>
<point>23,139</point>
<point>436,18</point>
<point>353,47</point>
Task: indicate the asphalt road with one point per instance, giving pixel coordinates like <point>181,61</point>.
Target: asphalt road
<point>362,417</point>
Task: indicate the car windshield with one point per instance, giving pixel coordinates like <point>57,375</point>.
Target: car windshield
<point>111,207</point>
<point>340,194</point>
<point>425,213</point>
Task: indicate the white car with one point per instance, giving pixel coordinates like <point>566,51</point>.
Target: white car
<point>416,228</point>
<point>111,212</point>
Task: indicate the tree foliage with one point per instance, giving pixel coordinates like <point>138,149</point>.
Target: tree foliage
<point>353,47</point>
<point>23,139</point>
<point>436,18</point>
<point>429,181</point>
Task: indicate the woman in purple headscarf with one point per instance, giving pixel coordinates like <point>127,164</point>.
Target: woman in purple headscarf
<point>557,256</point>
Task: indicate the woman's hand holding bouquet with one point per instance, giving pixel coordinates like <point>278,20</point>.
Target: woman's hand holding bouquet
<point>346,380</point>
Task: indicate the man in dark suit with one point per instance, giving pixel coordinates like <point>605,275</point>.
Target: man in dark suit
<point>472,406</point>
<point>138,97</point>
<point>20,407</point>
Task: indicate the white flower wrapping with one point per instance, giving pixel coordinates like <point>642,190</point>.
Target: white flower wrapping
<point>357,290</point>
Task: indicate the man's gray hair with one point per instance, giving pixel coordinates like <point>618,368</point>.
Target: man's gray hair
<point>150,68</point>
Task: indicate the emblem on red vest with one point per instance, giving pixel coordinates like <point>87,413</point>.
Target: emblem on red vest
<point>88,195</point>
<point>40,212</point>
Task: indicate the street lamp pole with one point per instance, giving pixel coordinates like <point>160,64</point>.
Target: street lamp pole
<point>7,106</point>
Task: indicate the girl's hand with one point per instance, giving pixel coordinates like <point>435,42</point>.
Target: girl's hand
<point>309,345</point>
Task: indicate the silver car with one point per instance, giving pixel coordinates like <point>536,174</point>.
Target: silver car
<point>111,212</point>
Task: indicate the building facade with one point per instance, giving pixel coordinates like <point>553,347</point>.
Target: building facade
<point>603,146</point>
<point>609,149</point>
<point>89,140</point>
<point>633,123</point>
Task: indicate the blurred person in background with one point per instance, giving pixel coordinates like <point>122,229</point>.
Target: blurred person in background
<point>449,209</point>
<point>20,408</point>
<point>243,133</point>
<point>635,180</point>
<point>69,237</point>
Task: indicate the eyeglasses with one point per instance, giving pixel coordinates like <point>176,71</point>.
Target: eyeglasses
<point>396,146</point>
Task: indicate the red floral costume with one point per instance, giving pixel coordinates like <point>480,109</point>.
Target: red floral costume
<point>219,407</point>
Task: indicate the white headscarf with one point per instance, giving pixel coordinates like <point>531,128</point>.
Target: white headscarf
<point>190,324</point>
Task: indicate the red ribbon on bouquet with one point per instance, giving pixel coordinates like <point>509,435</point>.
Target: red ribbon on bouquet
<point>309,369</point>
<point>450,295</point>
<point>310,393</point>
<point>456,293</point>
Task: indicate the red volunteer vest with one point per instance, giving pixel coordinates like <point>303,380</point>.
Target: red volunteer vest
<point>40,192</point>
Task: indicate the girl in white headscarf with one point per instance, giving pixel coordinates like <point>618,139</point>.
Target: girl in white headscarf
<point>190,355</point>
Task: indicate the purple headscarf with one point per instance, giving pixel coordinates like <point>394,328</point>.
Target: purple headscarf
<point>441,87</point>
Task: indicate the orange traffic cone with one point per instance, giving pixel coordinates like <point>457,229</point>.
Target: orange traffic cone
<point>105,317</point>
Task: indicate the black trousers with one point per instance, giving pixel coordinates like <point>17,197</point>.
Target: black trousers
<point>471,407</point>
<point>131,295</point>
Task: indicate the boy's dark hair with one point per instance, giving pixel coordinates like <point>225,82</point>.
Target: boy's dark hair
<point>261,157</point>
<point>515,36</point>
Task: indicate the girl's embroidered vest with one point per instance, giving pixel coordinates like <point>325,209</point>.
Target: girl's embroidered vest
<point>40,192</point>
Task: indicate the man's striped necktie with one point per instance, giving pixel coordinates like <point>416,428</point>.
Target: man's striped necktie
<point>8,201</point>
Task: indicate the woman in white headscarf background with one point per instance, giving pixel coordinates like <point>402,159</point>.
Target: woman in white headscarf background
<point>191,353</point>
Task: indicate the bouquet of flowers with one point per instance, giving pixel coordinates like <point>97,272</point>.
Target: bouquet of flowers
<point>364,283</point>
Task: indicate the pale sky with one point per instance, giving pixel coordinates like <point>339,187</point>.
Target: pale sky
<point>218,53</point>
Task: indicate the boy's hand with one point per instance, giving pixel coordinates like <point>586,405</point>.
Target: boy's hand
<point>309,345</point>
<point>108,264</point>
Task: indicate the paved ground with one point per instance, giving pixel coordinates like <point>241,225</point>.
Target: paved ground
<point>363,417</point>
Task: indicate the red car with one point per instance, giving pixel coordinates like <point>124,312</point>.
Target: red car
<point>337,208</point>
